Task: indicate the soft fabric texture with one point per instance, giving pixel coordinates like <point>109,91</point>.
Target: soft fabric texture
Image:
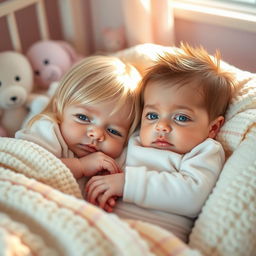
<point>65,225</point>
<point>37,219</point>
<point>166,188</point>
<point>227,224</point>
<point>47,134</point>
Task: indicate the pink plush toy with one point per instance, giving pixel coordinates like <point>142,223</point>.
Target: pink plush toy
<point>16,85</point>
<point>50,60</point>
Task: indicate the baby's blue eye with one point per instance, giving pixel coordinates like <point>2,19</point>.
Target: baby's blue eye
<point>83,117</point>
<point>115,132</point>
<point>182,118</point>
<point>152,116</point>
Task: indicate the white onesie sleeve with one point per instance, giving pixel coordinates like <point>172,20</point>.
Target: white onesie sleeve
<point>178,184</point>
<point>46,133</point>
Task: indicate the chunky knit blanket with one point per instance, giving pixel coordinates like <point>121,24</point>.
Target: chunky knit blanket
<point>42,211</point>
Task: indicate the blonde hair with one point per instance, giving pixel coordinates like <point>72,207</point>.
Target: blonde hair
<point>195,64</point>
<point>96,79</point>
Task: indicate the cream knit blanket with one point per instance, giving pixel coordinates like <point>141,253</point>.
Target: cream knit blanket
<point>38,217</point>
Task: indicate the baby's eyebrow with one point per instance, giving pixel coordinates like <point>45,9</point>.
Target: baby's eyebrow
<point>149,106</point>
<point>183,107</point>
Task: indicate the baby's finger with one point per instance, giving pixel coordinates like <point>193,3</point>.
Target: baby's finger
<point>94,180</point>
<point>92,187</point>
<point>108,208</point>
<point>102,202</point>
<point>110,165</point>
<point>111,201</point>
<point>92,197</point>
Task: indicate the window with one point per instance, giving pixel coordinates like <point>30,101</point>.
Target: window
<point>234,3</point>
<point>246,5</point>
<point>239,1</point>
<point>238,14</point>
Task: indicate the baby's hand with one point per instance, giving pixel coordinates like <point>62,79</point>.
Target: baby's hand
<point>102,188</point>
<point>97,162</point>
<point>109,205</point>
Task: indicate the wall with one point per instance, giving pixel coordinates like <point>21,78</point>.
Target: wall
<point>104,14</point>
<point>237,47</point>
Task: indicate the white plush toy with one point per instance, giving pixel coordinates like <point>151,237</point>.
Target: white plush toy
<point>16,84</point>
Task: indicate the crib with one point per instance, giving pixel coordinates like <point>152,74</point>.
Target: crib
<point>41,211</point>
<point>72,22</point>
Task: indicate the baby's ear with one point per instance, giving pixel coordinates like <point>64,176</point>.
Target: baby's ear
<point>215,126</point>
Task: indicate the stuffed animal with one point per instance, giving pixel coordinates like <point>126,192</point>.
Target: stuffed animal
<point>50,60</point>
<point>113,39</point>
<point>16,85</point>
<point>39,102</point>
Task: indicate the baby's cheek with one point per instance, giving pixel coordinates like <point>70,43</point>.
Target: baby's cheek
<point>117,149</point>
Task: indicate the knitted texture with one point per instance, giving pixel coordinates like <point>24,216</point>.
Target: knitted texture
<point>35,162</point>
<point>227,223</point>
<point>160,241</point>
<point>36,219</point>
<point>241,114</point>
<point>16,239</point>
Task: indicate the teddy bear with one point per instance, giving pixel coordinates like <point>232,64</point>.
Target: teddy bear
<point>50,60</point>
<point>16,85</point>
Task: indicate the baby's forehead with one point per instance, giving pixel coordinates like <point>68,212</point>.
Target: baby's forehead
<point>166,93</point>
<point>185,85</point>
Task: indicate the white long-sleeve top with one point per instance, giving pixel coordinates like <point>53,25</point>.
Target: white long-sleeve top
<point>166,188</point>
<point>46,134</point>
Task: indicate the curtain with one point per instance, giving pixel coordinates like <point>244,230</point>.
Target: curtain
<point>148,21</point>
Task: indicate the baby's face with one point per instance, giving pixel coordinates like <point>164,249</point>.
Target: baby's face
<point>93,127</point>
<point>173,118</point>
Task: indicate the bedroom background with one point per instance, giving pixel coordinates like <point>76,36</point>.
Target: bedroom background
<point>163,22</point>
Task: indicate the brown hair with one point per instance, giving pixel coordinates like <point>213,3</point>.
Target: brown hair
<point>194,64</point>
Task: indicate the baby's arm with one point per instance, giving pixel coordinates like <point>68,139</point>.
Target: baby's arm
<point>182,191</point>
<point>91,164</point>
<point>100,189</point>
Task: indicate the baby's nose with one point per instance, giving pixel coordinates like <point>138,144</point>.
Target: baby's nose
<point>95,133</point>
<point>163,126</point>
